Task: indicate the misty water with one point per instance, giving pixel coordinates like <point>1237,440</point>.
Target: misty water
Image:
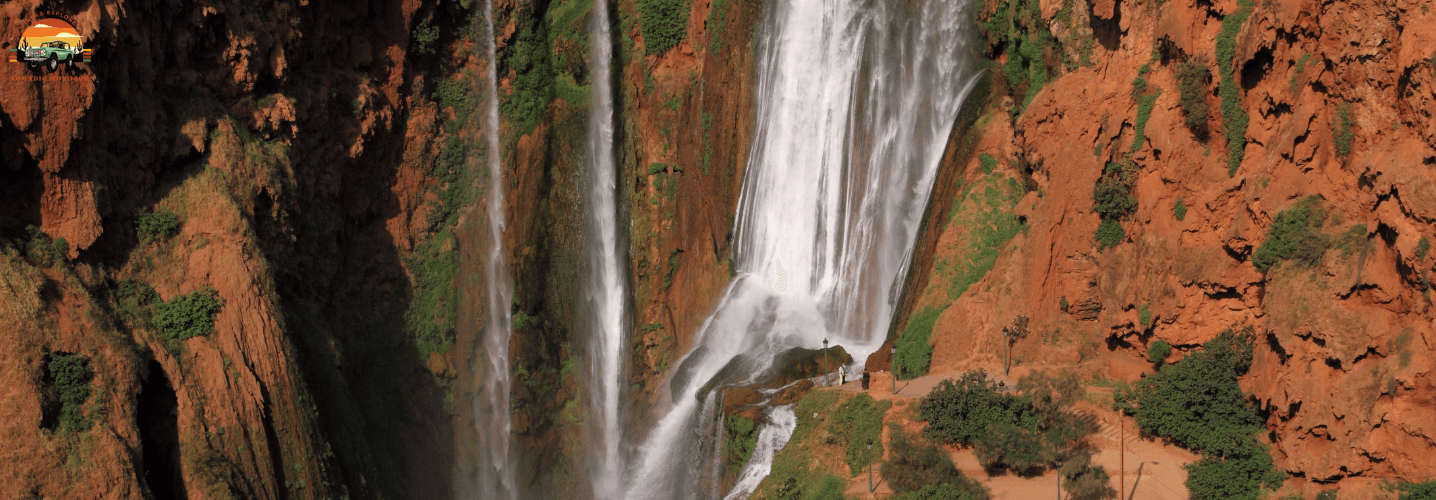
<point>854,104</point>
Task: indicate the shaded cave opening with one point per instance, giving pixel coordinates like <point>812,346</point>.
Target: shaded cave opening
<point>158,419</point>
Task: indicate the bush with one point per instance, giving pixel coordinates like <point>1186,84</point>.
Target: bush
<point>157,226</point>
<point>1180,209</point>
<point>1300,67</point>
<point>1295,235</point>
<point>858,421</point>
<point>920,471</point>
<point>914,351</point>
<point>1019,433</point>
<point>1146,96</point>
<point>1110,234</point>
<point>1144,316</point>
<point>1158,352</point>
<point>1192,78</point>
<point>1422,247</point>
<point>1417,491</point>
<point>1342,134</point>
<point>71,374</point>
<point>187,316</point>
<point>960,411</point>
<point>987,162</point>
<point>1112,196</point>
<point>663,24</point>
<point>1018,29</point>
<point>1084,481</point>
<point>1236,476</point>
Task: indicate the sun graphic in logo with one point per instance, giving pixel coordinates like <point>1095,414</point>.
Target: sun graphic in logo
<point>781,284</point>
<point>51,42</point>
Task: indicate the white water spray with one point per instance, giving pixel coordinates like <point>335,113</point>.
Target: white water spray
<point>855,102</point>
<point>604,288</point>
<point>495,479</point>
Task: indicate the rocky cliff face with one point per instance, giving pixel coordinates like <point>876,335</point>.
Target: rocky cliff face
<point>288,141</point>
<point>1336,101</point>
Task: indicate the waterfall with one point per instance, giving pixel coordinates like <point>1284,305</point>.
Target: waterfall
<point>495,474</point>
<point>854,103</point>
<point>604,281</point>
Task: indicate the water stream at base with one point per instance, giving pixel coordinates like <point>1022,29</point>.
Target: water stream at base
<point>854,104</point>
<point>604,282</point>
<point>495,476</point>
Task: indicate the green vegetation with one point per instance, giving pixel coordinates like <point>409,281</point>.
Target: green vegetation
<point>1112,196</point>
<point>919,470</point>
<point>741,439</point>
<point>529,57</point>
<point>1422,247</point>
<point>989,223</point>
<point>859,421</point>
<point>987,162</point>
<point>1295,235</point>
<point>1300,67</point>
<point>187,316</point>
<point>135,298</point>
<point>707,119</point>
<point>1196,403</point>
<point>717,19</point>
<point>1144,316</point>
<point>1083,481</point>
<point>792,475</point>
<point>1233,116</point>
<point>1193,77</point>
<point>1018,29</point>
<point>1022,432</point>
<point>434,309</point>
<point>663,23</point>
<point>672,268</point>
<point>914,347</point>
<point>1159,350</point>
<point>1110,234</point>
<point>1146,96</point>
<point>1063,305</point>
<point>1180,209</point>
<point>41,251</point>
<point>1417,491</point>
<point>1342,134</point>
<point>425,37</point>
<point>71,376</point>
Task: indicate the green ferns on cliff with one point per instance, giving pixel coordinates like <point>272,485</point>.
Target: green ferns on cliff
<point>1197,404</point>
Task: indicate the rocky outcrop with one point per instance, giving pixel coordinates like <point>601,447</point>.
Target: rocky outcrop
<point>1344,346</point>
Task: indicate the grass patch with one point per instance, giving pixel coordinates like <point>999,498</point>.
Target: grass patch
<point>987,219</point>
<point>859,421</point>
<point>663,23</point>
<point>1342,134</point>
<point>187,316</point>
<point>793,475</point>
<point>717,19</point>
<point>1234,117</point>
<point>1300,67</point>
<point>1146,96</point>
<point>987,162</point>
<point>1144,316</point>
<point>1295,235</point>
<point>914,347</point>
<point>741,439</point>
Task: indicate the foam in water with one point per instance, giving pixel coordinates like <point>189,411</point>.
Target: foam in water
<point>854,104</point>
<point>604,288</point>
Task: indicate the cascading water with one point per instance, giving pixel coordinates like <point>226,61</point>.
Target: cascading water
<point>604,288</point>
<point>855,102</point>
<point>495,475</point>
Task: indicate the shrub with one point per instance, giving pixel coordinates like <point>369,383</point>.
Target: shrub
<point>1192,78</point>
<point>135,297</point>
<point>1294,235</point>
<point>663,23</point>
<point>1234,117</point>
<point>914,351</point>
<point>71,374</point>
<point>157,226</point>
<point>1239,475</point>
<point>1342,133</point>
<point>1084,481</point>
<point>1300,67</point>
<point>920,471</point>
<point>530,58</point>
<point>741,440</point>
<point>1158,351</point>
<point>1417,491</point>
<point>425,35</point>
<point>43,251</point>
<point>1146,96</point>
<point>1422,247</point>
<point>958,411</point>
<point>1018,29</point>
<point>1180,209</point>
<point>1063,305</point>
<point>857,421</point>
<point>1144,315</point>
<point>187,316</point>
<point>987,162</point>
<point>1016,432</point>
<point>1110,234</point>
<point>1112,196</point>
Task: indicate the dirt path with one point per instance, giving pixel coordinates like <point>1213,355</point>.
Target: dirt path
<point>1153,469</point>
